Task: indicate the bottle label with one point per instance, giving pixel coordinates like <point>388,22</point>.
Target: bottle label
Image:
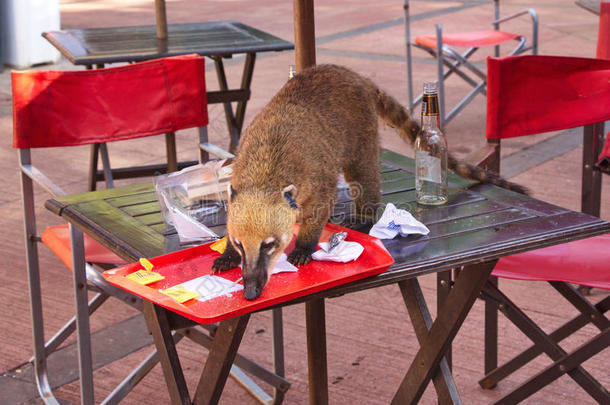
<point>428,167</point>
<point>429,104</point>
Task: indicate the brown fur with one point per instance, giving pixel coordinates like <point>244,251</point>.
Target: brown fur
<point>323,121</point>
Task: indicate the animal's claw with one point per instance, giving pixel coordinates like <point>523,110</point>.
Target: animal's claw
<point>226,261</point>
<point>299,257</point>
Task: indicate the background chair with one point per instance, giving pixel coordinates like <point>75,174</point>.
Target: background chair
<point>451,61</point>
<point>529,95</point>
<point>61,109</point>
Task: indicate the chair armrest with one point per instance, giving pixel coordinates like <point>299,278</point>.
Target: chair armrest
<point>485,156</point>
<point>529,11</point>
<point>216,151</point>
<point>534,16</point>
<point>41,179</point>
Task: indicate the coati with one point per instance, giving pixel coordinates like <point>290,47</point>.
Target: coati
<point>323,121</point>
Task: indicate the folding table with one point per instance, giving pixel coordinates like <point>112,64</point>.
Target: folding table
<point>478,225</point>
<point>95,47</point>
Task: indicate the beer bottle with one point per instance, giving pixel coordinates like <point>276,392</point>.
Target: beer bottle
<point>430,152</point>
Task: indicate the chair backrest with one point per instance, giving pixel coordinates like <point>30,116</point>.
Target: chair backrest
<point>603,34</point>
<point>66,108</point>
<point>535,94</point>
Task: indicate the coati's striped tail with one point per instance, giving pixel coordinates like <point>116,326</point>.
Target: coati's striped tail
<point>396,116</point>
<point>472,172</point>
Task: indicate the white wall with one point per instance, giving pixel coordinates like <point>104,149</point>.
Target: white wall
<point>23,22</point>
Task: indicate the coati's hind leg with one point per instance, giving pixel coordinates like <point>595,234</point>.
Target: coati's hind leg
<point>313,218</point>
<point>365,185</point>
<point>229,259</point>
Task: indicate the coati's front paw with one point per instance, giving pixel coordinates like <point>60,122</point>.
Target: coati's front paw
<point>299,257</point>
<point>226,261</point>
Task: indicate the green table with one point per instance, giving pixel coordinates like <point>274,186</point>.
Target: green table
<point>478,225</point>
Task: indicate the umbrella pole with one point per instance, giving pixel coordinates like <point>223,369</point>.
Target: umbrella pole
<point>304,34</point>
<point>161,19</point>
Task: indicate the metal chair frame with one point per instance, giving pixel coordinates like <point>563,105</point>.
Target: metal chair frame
<point>453,60</point>
<point>94,281</point>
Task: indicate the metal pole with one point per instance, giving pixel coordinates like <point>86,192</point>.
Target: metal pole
<point>408,45</point>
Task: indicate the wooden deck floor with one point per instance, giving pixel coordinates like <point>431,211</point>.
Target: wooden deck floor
<point>370,340</point>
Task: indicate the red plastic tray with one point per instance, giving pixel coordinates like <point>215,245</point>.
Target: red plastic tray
<point>187,264</point>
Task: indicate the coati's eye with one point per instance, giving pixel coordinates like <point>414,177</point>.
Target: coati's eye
<point>268,245</point>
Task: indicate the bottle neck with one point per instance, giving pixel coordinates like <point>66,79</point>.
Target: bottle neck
<point>430,117</point>
<point>430,121</point>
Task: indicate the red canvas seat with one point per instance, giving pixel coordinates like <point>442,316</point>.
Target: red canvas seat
<point>475,39</point>
<point>572,262</point>
<point>450,61</point>
<point>57,238</point>
<point>529,95</point>
<point>62,109</point>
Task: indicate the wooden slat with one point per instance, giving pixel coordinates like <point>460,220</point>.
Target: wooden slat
<point>114,229</point>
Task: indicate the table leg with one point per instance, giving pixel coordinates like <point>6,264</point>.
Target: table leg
<point>85,361</point>
<point>220,359</point>
<point>158,326</point>
<point>316,351</point>
<point>278,351</point>
<point>448,321</point>
<point>444,281</point>
<point>422,321</point>
<point>246,81</point>
<point>235,121</point>
<point>491,334</point>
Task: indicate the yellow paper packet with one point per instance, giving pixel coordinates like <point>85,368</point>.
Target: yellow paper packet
<point>146,264</point>
<point>144,277</point>
<point>220,245</point>
<point>180,294</point>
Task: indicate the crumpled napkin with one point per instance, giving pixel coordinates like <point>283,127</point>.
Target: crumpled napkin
<point>283,265</point>
<point>394,221</point>
<point>344,252</point>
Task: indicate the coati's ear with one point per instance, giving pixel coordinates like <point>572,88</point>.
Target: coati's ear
<point>232,193</point>
<point>290,193</point>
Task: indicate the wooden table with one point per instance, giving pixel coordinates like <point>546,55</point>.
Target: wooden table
<point>96,47</point>
<point>589,5</point>
<point>476,227</point>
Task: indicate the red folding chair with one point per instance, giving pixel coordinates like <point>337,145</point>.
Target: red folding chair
<point>529,95</point>
<point>456,62</point>
<point>62,109</point>
<point>603,52</point>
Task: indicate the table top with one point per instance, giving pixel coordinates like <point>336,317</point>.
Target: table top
<point>478,223</point>
<point>137,43</point>
<point>590,5</point>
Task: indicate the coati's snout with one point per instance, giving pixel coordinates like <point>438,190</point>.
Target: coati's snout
<point>260,225</point>
<point>256,264</point>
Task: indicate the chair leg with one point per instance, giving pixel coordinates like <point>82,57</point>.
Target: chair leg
<point>85,361</point>
<point>439,68</point>
<point>564,365</point>
<point>93,159</point>
<point>544,341</point>
<point>496,375</point>
<point>31,248</point>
